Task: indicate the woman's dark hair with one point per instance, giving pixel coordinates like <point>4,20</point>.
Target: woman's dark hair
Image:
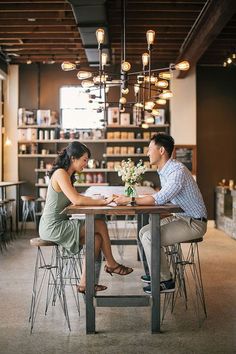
<point>165,140</point>
<point>63,160</point>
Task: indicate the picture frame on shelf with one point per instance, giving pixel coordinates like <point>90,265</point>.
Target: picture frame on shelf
<point>113,116</point>
<point>124,119</point>
<point>160,119</point>
<point>43,116</point>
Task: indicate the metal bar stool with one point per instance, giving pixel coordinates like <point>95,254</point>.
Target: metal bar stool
<point>55,273</point>
<point>28,210</point>
<point>186,267</point>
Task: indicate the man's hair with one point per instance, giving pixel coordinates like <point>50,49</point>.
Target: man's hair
<point>165,140</point>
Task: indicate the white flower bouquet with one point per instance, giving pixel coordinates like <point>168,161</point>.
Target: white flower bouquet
<point>130,174</point>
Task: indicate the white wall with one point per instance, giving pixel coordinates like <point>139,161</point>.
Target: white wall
<point>11,98</point>
<point>183,109</point>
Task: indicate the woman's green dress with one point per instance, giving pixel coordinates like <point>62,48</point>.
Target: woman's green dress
<point>56,227</point>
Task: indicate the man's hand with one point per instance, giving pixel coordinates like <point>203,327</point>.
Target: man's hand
<point>122,200</point>
<point>108,200</point>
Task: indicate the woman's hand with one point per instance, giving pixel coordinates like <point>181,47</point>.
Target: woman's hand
<point>108,200</point>
<point>122,200</point>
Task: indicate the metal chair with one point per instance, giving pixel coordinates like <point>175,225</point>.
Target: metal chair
<point>52,273</point>
<point>28,210</point>
<point>6,222</point>
<point>186,268</point>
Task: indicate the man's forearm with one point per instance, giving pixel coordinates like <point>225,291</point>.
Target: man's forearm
<point>147,200</point>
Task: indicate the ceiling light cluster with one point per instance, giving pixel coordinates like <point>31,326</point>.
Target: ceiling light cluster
<point>230,60</point>
<point>151,88</point>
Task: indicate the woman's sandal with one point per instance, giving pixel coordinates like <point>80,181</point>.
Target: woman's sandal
<point>97,287</point>
<point>120,269</point>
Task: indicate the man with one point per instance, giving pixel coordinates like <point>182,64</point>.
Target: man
<point>177,187</point>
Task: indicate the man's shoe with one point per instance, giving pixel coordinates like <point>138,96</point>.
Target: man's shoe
<point>167,286</point>
<point>146,279</point>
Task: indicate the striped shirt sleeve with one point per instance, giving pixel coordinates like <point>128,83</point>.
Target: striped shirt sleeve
<point>171,188</point>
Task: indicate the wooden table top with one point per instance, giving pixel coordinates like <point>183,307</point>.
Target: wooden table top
<point>122,209</point>
<point>8,184</point>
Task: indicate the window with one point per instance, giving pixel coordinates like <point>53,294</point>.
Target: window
<point>76,110</point>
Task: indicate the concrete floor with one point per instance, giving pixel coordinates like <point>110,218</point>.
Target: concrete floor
<point>120,330</point>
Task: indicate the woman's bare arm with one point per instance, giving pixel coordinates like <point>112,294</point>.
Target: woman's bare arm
<point>61,182</point>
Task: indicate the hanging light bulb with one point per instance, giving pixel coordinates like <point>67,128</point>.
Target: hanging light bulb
<point>224,64</point>
<point>136,89</point>
<point>82,75</point>
<point>123,100</point>
<point>100,79</point>
<point>149,105</point>
<point>87,83</point>
<point>149,120</point>
<point>166,94</point>
<point>155,112</point>
<point>125,66</point>
<point>104,59</point>
<point>125,91</point>
<point>150,37</point>
<point>183,65</point>
<point>166,75</point>
<point>229,60</point>
<point>68,66</point>
<point>138,105</point>
<point>161,101</point>
<point>234,55</point>
<point>162,84</point>
<point>145,59</point>
<point>152,79</point>
<point>145,125</point>
<point>100,34</point>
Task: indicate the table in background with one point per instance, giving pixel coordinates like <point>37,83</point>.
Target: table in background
<point>93,300</point>
<point>3,195</point>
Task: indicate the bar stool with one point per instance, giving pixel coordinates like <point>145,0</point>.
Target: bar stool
<point>28,210</point>
<point>186,267</point>
<point>6,222</point>
<point>56,270</point>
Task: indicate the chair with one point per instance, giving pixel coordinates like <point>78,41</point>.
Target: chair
<point>6,222</point>
<point>28,210</point>
<point>52,273</point>
<point>186,268</point>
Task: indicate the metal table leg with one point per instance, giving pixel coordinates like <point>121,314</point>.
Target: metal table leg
<point>90,274</point>
<point>17,206</point>
<point>155,272</point>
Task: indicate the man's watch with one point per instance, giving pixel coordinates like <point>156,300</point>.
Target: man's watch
<point>133,202</point>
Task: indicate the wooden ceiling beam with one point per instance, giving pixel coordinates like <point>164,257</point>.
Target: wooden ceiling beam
<point>30,1</point>
<point>36,42</point>
<point>154,16</point>
<point>204,31</point>
<point>34,7</point>
<point>41,22</point>
<point>55,29</point>
<point>36,14</point>
<point>160,7</point>
<point>41,36</point>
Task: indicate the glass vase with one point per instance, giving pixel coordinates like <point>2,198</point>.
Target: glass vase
<point>130,190</point>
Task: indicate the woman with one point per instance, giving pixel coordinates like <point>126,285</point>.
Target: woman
<point>70,234</point>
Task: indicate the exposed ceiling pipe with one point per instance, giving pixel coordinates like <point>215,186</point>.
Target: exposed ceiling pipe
<point>90,15</point>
